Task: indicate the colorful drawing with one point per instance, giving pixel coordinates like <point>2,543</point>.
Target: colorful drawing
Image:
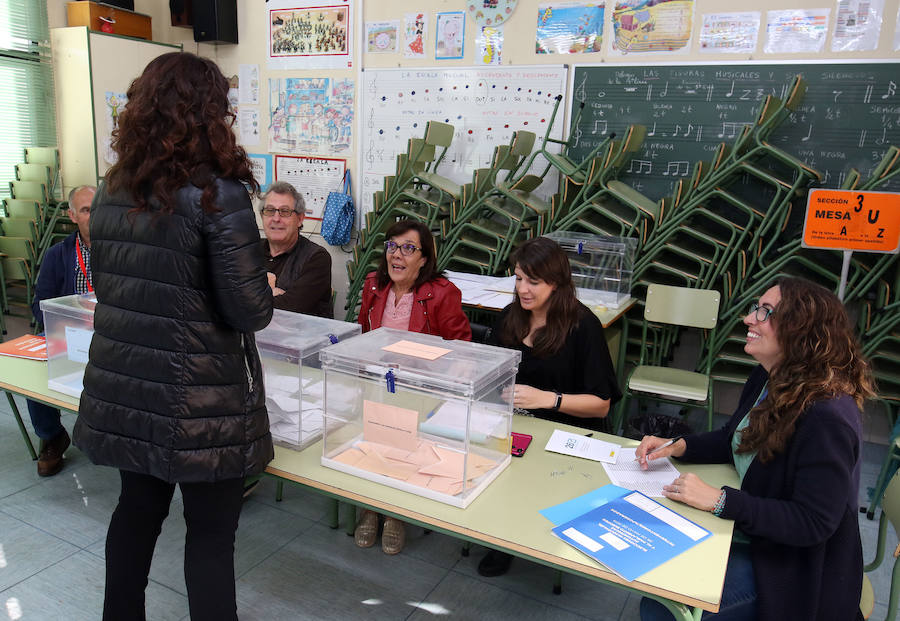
<point>320,31</point>
<point>491,12</point>
<point>414,31</point>
<point>489,45</point>
<point>451,28</point>
<point>381,37</point>
<point>652,25</point>
<point>733,33</point>
<point>570,28</point>
<point>312,115</point>
<point>115,102</point>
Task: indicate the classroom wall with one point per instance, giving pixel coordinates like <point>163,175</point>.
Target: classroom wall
<point>518,49</point>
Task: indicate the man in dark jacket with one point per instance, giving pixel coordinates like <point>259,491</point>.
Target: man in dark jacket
<point>299,270</point>
<point>65,270</point>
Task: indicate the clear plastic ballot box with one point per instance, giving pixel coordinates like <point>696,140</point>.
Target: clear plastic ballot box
<point>418,413</point>
<point>69,327</point>
<point>601,266</point>
<point>289,350</point>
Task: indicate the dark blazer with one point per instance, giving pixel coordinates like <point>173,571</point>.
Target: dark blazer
<point>305,277</point>
<point>56,277</point>
<point>799,510</point>
<point>173,387</point>
<point>437,308</point>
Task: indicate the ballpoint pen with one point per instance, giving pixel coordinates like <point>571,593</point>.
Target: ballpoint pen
<point>661,447</point>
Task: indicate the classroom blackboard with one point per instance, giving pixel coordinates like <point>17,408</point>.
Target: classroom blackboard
<point>848,118</point>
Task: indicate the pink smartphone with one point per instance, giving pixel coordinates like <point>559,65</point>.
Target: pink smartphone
<point>520,442</point>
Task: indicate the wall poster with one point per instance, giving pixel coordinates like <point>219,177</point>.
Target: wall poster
<point>310,115</point>
<point>309,34</point>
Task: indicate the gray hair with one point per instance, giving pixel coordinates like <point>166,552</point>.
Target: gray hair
<point>283,187</point>
<point>78,189</point>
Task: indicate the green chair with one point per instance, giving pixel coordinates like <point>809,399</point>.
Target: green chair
<point>890,512</point>
<point>20,227</point>
<point>672,306</point>
<point>30,190</point>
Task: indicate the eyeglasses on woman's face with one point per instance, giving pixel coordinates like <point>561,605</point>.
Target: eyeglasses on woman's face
<point>762,312</point>
<point>406,249</point>
<point>284,212</point>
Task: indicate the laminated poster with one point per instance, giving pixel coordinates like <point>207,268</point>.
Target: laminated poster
<point>314,178</point>
<point>569,28</point>
<point>651,26</point>
<point>234,97</point>
<point>248,126</point>
<point>414,33</point>
<point>489,45</point>
<point>857,25</point>
<point>115,103</point>
<point>310,115</point>
<point>897,33</point>
<point>309,34</point>
<point>382,37</point>
<point>261,165</point>
<point>450,35</point>
<point>248,84</point>
<point>734,33</point>
<point>491,12</point>
<point>796,30</point>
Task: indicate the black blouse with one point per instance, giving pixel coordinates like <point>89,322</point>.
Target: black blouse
<point>582,366</point>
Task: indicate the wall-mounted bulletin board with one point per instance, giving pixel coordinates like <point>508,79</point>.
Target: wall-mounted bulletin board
<point>848,118</point>
<point>484,105</point>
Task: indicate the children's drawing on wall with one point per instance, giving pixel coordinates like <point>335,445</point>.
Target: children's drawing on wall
<point>115,103</point>
<point>796,30</point>
<point>310,115</point>
<point>569,28</point>
<point>491,12</point>
<point>489,45</point>
<point>305,34</point>
<point>651,26</point>
<point>449,35</point>
<point>381,37</point>
<point>414,35</point>
<point>734,33</point>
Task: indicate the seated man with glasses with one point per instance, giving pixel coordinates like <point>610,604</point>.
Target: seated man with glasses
<point>299,270</point>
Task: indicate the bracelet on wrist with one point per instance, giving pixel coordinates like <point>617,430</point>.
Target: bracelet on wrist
<point>558,402</point>
<point>720,505</point>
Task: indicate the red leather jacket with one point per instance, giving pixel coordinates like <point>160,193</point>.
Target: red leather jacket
<point>437,308</point>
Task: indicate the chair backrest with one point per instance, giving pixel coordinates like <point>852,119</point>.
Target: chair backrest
<point>522,143</point>
<point>31,190</point>
<point>890,504</point>
<point>681,306</point>
<point>19,227</point>
<point>439,134</point>
<point>17,247</point>
<point>15,268</point>
<point>48,156</point>
<point>22,208</point>
<point>34,172</point>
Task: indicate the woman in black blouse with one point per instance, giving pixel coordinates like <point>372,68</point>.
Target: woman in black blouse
<point>566,374</point>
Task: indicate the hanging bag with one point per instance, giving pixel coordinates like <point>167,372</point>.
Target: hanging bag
<point>337,221</point>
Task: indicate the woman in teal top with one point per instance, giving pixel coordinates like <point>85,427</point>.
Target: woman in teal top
<point>795,440</point>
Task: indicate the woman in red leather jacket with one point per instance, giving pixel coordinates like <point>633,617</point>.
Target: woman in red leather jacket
<point>407,293</point>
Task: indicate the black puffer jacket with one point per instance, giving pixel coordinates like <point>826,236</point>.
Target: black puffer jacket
<point>174,387</point>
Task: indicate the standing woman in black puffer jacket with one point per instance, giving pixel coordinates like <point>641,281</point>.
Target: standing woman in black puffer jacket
<point>173,390</point>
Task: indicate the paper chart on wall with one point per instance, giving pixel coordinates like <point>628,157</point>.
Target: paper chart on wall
<point>485,106</point>
<point>248,84</point>
<point>248,125</point>
<point>857,25</point>
<point>310,115</point>
<point>314,178</point>
<point>897,33</point>
<point>309,34</point>
<point>734,33</point>
<point>796,30</point>
<point>649,26</point>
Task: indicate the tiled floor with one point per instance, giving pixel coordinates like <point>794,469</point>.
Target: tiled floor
<point>289,564</point>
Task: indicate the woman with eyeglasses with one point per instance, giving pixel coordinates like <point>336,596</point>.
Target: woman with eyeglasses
<point>795,440</point>
<point>407,293</point>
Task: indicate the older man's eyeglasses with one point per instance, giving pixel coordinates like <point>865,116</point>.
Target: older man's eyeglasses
<point>762,312</point>
<point>405,249</point>
<point>284,212</point>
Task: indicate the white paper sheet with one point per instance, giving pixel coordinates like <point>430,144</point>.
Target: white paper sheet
<point>578,445</point>
<point>627,473</point>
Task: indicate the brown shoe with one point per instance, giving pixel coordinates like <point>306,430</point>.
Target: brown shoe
<point>393,538</point>
<point>366,530</point>
<point>50,461</point>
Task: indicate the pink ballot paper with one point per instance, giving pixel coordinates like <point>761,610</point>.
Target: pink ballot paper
<point>390,425</point>
<point>419,350</point>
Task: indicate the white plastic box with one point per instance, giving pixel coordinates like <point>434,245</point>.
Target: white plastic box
<point>601,266</point>
<point>289,350</point>
<point>69,327</point>
<point>439,428</point>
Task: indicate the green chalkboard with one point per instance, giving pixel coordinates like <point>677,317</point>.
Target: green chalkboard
<point>848,117</point>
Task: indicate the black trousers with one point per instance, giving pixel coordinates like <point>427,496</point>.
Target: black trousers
<point>211,511</point>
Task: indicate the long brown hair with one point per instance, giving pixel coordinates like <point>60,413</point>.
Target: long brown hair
<point>174,130</point>
<point>429,270</point>
<point>542,259</point>
<point>820,359</point>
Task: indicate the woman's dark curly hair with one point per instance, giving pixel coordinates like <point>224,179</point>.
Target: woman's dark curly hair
<point>820,359</point>
<point>174,130</point>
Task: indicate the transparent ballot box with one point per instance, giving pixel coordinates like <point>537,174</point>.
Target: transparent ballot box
<point>601,266</point>
<point>289,350</point>
<point>418,413</point>
<point>69,327</point>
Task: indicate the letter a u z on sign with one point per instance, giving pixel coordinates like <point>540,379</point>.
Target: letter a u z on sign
<point>852,220</point>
